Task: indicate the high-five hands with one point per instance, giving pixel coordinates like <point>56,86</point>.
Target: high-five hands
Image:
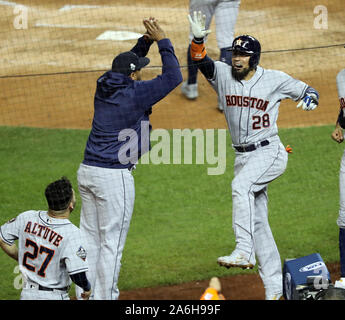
<point>198,24</point>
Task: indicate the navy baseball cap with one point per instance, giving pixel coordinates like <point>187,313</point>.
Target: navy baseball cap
<point>128,62</point>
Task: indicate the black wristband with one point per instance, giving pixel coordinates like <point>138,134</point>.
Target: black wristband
<point>198,40</point>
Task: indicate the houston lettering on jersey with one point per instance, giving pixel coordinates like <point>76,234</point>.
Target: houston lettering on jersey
<point>43,232</point>
<point>251,102</point>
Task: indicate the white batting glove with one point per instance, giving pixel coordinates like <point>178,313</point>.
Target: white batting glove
<point>309,102</point>
<point>198,25</point>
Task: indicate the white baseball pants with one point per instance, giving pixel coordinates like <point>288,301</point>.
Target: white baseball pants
<point>253,172</point>
<point>107,206</point>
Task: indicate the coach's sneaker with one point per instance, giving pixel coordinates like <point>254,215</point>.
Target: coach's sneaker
<point>236,259</point>
<point>340,283</point>
<point>190,91</point>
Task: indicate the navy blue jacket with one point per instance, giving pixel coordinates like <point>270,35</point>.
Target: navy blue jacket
<point>120,132</point>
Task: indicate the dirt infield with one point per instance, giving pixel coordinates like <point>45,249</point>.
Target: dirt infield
<point>48,74</point>
<point>60,41</point>
<point>239,287</point>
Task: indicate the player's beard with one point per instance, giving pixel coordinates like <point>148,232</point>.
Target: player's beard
<point>240,75</point>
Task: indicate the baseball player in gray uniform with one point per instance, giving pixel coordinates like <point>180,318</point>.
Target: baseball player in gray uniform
<point>225,13</point>
<point>338,136</point>
<point>50,248</point>
<point>251,96</point>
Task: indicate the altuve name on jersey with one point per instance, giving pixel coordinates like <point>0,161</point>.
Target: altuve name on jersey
<point>44,232</point>
<point>251,102</point>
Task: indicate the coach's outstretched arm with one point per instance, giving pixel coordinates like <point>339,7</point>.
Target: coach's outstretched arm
<point>143,45</point>
<point>197,49</point>
<point>171,75</point>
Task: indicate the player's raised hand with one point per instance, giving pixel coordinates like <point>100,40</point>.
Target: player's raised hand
<point>309,102</point>
<point>337,135</point>
<point>198,24</point>
<point>153,29</point>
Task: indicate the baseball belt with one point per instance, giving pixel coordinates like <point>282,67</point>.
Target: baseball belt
<point>52,289</point>
<point>42,288</point>
<point>251,147</point>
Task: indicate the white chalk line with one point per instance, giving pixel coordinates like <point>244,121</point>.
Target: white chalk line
<point>66,26</point>
<point>8,3</point>
<point>69,7</point>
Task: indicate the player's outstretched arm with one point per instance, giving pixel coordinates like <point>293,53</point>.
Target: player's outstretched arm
<point>11,251</point>
<point>197,49</point>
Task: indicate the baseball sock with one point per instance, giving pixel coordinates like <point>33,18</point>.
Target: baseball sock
<point>192,69</point>
<point>225,55</point>
<point>342,251</point>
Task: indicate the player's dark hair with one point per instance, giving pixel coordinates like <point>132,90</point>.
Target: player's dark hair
<point>59,194</point>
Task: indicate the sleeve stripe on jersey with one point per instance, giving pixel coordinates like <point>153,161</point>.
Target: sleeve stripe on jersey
<point>9,242</point>
<point>78,270</point>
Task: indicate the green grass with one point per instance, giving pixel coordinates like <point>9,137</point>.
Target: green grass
<point>182,216</point>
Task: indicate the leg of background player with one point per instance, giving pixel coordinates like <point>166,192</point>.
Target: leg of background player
<point>341,224</point>
<point>225,56</point>
<point>268,256</point>
<point>189,88</point>
<point>225,16</point>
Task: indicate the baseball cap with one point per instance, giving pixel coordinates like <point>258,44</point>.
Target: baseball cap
<point>128,62</point>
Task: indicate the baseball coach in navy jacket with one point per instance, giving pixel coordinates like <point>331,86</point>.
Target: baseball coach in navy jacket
<point>120,135</point>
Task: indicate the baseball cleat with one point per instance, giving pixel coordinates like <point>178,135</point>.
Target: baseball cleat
<point>340,283</point>
<point>190,91</point>
<point>235,260</point>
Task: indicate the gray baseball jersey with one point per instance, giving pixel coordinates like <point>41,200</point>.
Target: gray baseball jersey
<point>49,250</point>
<point>341,94</point>
<point>341,88</point>
<point>252,107</point>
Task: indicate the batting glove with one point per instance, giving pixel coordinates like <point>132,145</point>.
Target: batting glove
<point>198,25</point>
<point>309,102</point>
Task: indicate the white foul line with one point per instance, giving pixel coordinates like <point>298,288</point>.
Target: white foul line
<point>8,3</point>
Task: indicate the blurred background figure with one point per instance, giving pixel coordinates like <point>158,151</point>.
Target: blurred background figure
<point>225,13</point>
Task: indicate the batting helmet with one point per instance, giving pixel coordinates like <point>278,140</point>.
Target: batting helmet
<point>248,45</point>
